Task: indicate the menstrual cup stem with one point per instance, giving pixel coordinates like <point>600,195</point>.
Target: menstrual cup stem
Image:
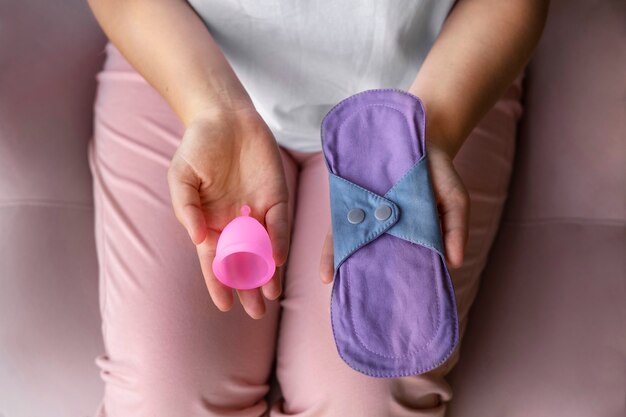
<point>245,210</point>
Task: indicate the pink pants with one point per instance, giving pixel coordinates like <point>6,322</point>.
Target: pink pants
<point>170,352</point>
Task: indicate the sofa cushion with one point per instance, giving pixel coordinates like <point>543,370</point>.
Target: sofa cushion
<point>547,333</point>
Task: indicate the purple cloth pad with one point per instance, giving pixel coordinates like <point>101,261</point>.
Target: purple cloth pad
<point>393,308</point>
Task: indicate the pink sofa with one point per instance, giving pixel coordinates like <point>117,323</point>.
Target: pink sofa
<point>552,307</point>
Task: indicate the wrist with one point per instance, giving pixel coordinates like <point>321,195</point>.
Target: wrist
<point>216,111</point>
<point>437,150</point>
<point>215,105</point>
<point>241,122</point>
<point>437,137</point>
<point>440,130</point>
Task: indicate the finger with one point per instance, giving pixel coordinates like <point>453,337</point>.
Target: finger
<point>455,219</point>
<point>185,197</point>
<point>221,295</point>
<point>273,288</point>
<point>252,302</point>
<point>277,222</point>
<point>327,268</point>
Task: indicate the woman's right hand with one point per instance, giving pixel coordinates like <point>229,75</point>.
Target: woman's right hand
<point>228,158</point>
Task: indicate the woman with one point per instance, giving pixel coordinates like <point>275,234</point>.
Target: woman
<point>245,85</point>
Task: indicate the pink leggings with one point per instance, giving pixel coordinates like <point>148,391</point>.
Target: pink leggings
<point>170,352</point>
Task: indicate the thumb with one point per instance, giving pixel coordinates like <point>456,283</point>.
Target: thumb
<point>454,212</point>
<point>327,259</point>
<point>277,221</point>
<point>184,188</point>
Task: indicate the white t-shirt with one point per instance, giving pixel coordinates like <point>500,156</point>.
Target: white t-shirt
<point>297,59</point>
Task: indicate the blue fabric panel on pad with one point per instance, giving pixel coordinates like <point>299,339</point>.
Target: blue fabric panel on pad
<point>348,237</point>
<point>419,221</point>
<point>413,212</point>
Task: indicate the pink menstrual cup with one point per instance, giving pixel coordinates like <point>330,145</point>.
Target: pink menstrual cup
<point>243,257</point>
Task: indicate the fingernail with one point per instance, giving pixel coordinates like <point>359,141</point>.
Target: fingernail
<point>257,316</point>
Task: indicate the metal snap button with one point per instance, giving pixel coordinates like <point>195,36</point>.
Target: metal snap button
<point>382,212</point>
<point>356,215</point>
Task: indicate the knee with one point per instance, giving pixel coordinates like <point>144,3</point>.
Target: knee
<point>332,389</point>
<point>179,387</point>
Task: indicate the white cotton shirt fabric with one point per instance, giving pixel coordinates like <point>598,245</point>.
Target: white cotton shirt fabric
<point>297,59</point>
